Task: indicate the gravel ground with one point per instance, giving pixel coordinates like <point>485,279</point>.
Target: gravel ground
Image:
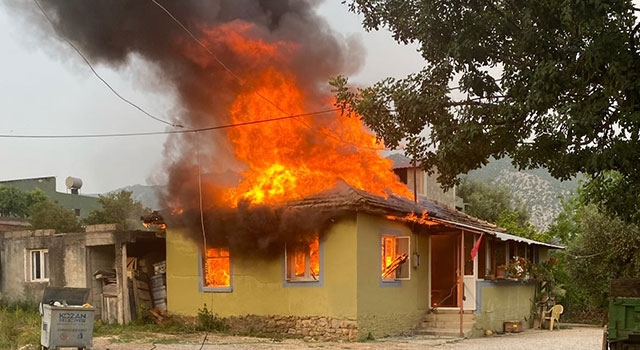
<point>572,338</point>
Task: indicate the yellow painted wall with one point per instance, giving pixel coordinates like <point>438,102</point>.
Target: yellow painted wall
<point>388,309</point>
<point>258,285</point>
<point>504,301</point>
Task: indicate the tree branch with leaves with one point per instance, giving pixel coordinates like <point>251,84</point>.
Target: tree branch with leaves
<point>548,83</point>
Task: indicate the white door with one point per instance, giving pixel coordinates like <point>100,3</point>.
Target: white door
<point>469,302</point>
<point>470,273</point>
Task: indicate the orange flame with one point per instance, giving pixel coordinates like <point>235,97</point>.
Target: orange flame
<point>292,158</point>
<point>217,268</point>
<point>423,219</point>
<point>388,254</point>
<point>307,258</point>
<point>314,257</point>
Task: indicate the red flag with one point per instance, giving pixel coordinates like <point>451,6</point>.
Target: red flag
<point>474,250</point>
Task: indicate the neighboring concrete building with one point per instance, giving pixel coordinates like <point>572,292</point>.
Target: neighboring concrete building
<point>425,185</point>
<point>375,267</point>
<point>115,265</point>
<point>80,204</point>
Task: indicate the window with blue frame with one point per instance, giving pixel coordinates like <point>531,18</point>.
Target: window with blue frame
<point>302,261</point>
<point>217,268</point>
<point>395,257</point>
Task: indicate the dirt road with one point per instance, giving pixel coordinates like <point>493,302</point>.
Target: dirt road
<point>572,338</point>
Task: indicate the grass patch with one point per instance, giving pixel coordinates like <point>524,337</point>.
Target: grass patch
<point>19,325</point>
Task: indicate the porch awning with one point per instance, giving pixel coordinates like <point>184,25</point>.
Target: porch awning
<point>503,236</point>
<point>509,237</point>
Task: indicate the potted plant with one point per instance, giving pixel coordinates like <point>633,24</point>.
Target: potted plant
<point>518,269</point>
<point>489,274</point>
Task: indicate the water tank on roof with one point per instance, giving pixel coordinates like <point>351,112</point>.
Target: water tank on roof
<point>73,183</point>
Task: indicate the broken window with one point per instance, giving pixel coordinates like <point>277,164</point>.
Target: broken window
<point>395,258</point>
<point>302,261</point>
<point>217,268</point>
<point>39,265</point>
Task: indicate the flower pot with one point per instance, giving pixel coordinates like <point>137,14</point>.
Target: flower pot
<point>500,272</point>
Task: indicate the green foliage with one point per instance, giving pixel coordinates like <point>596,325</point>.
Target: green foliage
<point>612,192</point>
<point>13,202</point>
<point>549,83</point>
<point>565,226</point>
<point>515,224</point>
<point>496,204</point>
<point>41,211</point>
<point>605,248</point>
<point>600,247</point>
<point>208,321</point>
<point>485,201</point>
<point>47,214</point>
<point>36,196</point>
<point>19,325</point>
<point>119,208</point>
<point>16,203</point>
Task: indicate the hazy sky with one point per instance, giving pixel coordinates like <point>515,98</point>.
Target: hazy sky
<point>46,89</point>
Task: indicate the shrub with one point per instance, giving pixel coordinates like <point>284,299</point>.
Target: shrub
<point>208,321</point>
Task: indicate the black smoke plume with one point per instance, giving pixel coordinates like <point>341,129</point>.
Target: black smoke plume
<point>112,32</point>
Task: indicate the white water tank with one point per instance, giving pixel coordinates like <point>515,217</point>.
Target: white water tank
<point>73,183</point>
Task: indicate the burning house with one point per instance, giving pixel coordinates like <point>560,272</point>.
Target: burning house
<point>344,263</point>
<point>285,218</point>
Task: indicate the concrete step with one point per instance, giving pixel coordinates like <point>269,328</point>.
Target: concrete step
<point>443,332</point>
<point>433,317</point>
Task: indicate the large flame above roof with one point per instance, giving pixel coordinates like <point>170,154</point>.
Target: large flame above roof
<point>292,158</point>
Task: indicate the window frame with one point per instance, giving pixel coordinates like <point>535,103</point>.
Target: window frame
<point>44,265</point>
<point>406,266</point>
<point>201,275</point>
<point>307,280</point>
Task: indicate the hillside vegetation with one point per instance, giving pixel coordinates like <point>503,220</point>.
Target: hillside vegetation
<point>536,188</point>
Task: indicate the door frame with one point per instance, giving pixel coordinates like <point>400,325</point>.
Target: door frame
<point>469,281</point>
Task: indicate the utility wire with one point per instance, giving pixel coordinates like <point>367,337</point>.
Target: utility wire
<point>226,126</point>
<point>86,60</point>
<point>238,78</point>
<point>215,57</point>
<point>583,256</point>
<point>222,64</point>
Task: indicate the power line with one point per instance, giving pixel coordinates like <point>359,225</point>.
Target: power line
<point>238,78</point>
<point>215,57</point>
<point>584,256</point>
<point>226,126</point>
<point>86,60</point>
<point>222,64</point>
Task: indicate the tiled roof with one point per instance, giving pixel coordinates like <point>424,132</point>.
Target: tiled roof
<point>345,197</point>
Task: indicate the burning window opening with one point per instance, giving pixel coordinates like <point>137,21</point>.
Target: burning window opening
<point>217,268</point>
<point>395,253</point>
<point>303,263</point>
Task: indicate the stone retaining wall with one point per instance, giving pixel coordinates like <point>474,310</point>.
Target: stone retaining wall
<point>309,328</point>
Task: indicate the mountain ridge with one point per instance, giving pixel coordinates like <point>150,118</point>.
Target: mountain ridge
<point>541,192</point>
